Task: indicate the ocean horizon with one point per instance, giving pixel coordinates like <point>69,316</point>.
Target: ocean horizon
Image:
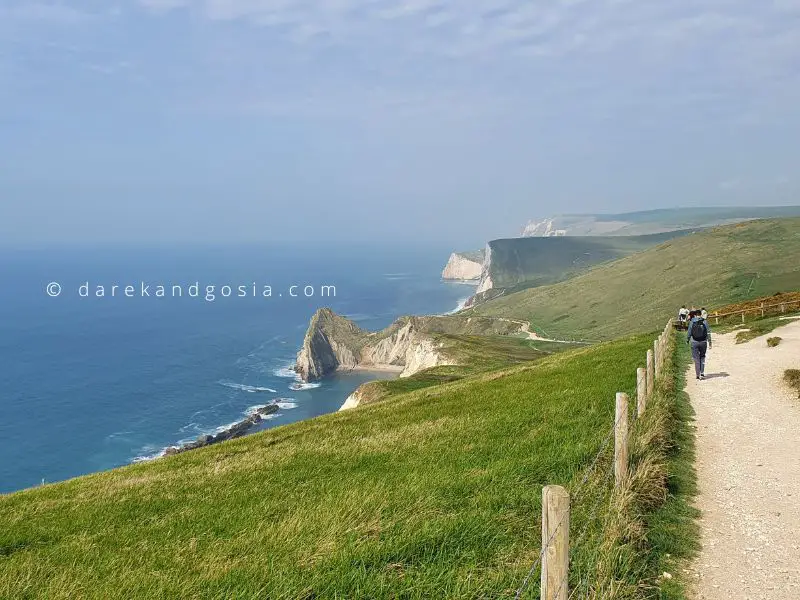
<point>108,371</point>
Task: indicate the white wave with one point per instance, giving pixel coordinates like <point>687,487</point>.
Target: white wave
<point>285,403</point>
<point>254,409</point>
<point>299,386</point>
<point>150,454</point>
<point>287,371</point>
<point>459,307</point>
<point>223,428</point>
<point>247,388</point>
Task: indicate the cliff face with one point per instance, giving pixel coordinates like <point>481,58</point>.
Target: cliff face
<point>486,271</point>
<point>535,261</point>
<point>409,345</point>
<point>333,342</point>
<point>463,267</point>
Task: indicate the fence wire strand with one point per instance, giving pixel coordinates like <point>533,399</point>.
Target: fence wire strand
<point>573,500</point>
<point>574,497</point>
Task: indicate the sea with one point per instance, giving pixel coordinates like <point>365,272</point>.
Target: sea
<point>94,376</point>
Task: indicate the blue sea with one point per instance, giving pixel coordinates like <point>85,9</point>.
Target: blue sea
<point>89,383</point>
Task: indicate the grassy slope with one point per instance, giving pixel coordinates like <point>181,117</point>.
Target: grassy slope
<point>685,218</point>
<point>666,219</point>
<point>637,293</point>
<point>436,494</point>
<point>474,255</point>
<point>475,354</point>
<point>757,328</point>
<point>672,530</point>
<point>532,261</point>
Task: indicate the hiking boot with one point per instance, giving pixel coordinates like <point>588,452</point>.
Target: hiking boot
<point>702,376</point>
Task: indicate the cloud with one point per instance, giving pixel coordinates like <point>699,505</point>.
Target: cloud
<point>471,27</point>
<point>43,12</point>
<point>642,62</point>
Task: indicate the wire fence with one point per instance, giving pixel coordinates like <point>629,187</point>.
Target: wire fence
<point>574,498</point>
<point>556,547</point>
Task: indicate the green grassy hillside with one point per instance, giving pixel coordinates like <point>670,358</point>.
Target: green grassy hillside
<point>532,261</point>
<point>474,354</point>
<point>637,293</point>
<point>434,495</point>
<point>665,219</point>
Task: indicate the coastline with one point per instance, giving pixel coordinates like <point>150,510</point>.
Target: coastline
<point>259,414</point>
<point>377,368</point>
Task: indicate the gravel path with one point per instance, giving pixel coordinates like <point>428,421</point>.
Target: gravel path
<point>748,466</point>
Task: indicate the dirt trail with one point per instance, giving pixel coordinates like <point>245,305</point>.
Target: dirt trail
<point>525,328</point>
<point>748,463</point>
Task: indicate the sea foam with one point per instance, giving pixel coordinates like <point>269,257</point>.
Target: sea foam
<point>252,389</point>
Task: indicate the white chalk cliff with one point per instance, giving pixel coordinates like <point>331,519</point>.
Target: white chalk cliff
<point>486,278</point>
<point>333,343</point>
<point>462,268</point>
<point>409,345</point>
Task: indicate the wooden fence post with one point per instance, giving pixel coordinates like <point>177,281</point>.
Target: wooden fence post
<point>555,556</point>
<point>621,439</point>
<point>716,319</point>
<point>783,308</point>
<point>742,316</point>
<point>650,373</point>
<point>656,358</point>
<point>641,391</point>
<point>762,310</point>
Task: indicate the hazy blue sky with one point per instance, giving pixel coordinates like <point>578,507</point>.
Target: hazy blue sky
<point>273,119</point>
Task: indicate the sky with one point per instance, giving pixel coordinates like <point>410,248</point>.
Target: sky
<point>370,120</point>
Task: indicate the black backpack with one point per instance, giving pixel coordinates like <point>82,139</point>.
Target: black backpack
<point>699,331</point>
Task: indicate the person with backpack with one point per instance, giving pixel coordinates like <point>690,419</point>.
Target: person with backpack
<point>699,337</point>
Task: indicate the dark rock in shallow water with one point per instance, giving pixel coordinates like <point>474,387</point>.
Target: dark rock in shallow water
<point>234,431</point>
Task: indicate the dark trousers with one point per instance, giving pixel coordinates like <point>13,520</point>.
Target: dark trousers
<point>699,357</point>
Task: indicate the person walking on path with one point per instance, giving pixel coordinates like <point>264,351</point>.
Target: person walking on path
<point>699,337</point>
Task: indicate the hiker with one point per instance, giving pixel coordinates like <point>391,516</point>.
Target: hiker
<point>704,313</point>
<point>683,314</point>
<point>699,337</point>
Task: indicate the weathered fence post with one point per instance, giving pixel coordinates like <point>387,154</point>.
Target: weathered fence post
<point>641,391</point>
<point>656,358</point>
<point>650,373</point>
<point>783,308</point>
<point>762,310</point>
<point>555,556</point>
<point>742,316</point>
<point>621,439</point>
<point>716,319</point>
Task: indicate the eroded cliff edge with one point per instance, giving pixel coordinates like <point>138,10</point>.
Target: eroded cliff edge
<point>464,266</point>
<point>409,345</point>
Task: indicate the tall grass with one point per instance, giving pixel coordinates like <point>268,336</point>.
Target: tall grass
<point>435,494</point>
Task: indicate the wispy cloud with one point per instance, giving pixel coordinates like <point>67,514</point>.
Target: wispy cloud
<point>43,12</point>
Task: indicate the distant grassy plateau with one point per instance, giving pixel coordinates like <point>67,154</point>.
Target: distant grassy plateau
<point>722,265</point>
<point>533,261</point>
